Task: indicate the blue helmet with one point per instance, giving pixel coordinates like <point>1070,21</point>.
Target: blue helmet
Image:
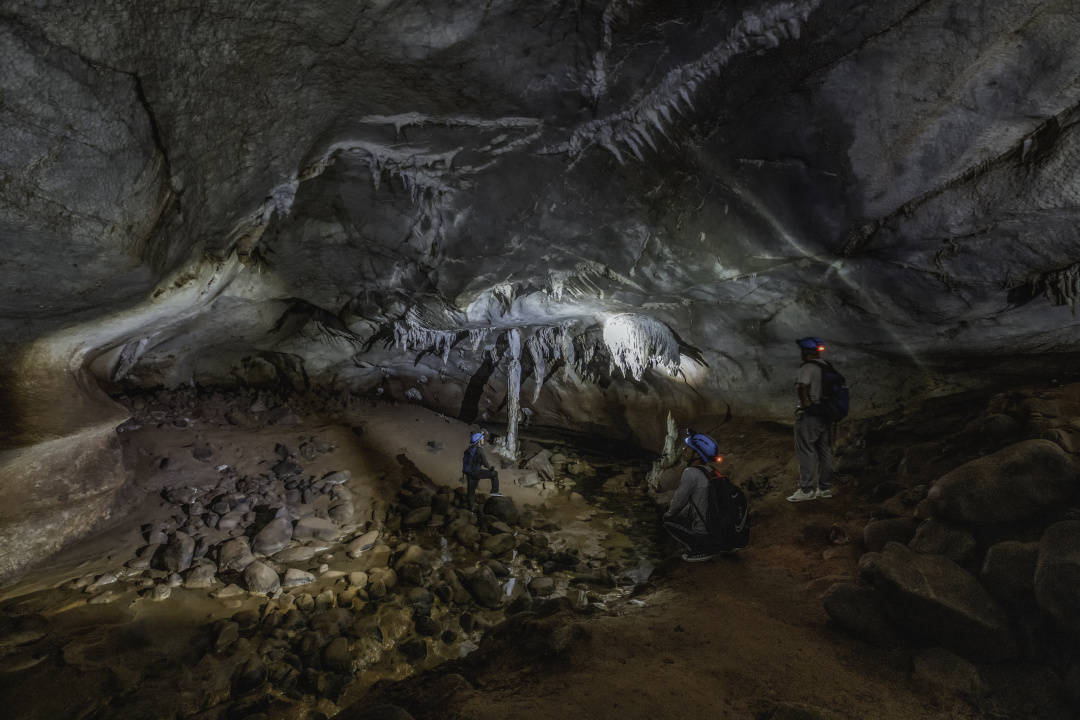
<point>704,446</point>
<point>476,437</point>
<point>810,343</point>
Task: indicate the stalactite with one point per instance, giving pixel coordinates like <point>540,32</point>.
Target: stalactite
<point>638,342</point>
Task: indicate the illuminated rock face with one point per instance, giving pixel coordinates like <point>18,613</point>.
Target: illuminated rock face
<point>372,195</point>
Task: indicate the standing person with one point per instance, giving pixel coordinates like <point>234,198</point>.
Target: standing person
<point>813,420</point>
<point>707,514</point>
<point>474,465</point>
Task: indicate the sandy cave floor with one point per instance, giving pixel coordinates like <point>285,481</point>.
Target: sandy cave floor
<point>728,638</point>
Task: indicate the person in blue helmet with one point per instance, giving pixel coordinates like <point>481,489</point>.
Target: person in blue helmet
<point>707,514</point>
<point>813,431</point>
<point>475,466</point>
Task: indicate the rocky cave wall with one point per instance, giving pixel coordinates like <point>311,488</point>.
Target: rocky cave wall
<point>371,196</point>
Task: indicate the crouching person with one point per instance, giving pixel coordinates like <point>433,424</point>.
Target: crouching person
<point>475,466</point>
<point>707,514</point>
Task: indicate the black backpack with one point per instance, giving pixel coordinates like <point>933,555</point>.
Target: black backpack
<point>835,396</point>
<point>468,460</point>
<point>728,514</point>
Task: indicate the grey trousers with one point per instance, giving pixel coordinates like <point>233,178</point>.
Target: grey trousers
<point>813,438</point>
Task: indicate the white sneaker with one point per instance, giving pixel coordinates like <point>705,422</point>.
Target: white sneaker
<point>801,495</point>
<point>826,493</point>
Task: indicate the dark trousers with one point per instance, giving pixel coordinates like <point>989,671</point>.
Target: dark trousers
<point>473,479</point>
<point>693,542</point>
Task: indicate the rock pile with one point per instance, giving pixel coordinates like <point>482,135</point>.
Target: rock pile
<point>984,559</point>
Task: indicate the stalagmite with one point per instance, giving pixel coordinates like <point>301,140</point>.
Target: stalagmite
<point>513,393</point>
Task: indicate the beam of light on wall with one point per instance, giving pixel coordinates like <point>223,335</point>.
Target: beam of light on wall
<point>639,342</point>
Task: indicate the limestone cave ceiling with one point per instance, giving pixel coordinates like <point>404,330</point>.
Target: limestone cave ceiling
<point>370,195</point>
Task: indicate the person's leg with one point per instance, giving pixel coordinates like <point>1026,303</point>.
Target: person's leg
<point>806,451</point>
<point>823,452</point>
<point>470,492</point>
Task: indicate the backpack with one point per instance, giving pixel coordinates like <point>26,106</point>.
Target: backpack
<point>835,396</point>
<point>728,514</point>
<point>468,460</point>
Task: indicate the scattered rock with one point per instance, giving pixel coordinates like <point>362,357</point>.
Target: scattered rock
<point>362,543</point>
<point>542,586</point>
<point>179,552</point>
<point>274,537</point>
<point>100,584</point>
<point>229,634</point>
<point>230,590</point>
<point>299,554</point>
<point>295,578</point>
<point>1057,573</point>
<point>143,557</point>
<point>417,516</point>
<point>579,600</point>
<point>499,544</point>
<point>502,508</point>
<point>235,554</point>
<point>484,587</point>
<point>337,478</point>
<point>315,528</point>
<point>1011,485</point>
<point>201,576</point>
<point>358,579</point>
<point>933,597</point>
<point>161,592</point>
<point>261,578</point>
<point>336,656</point>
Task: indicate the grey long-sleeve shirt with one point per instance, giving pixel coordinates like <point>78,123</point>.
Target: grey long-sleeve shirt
<point>688,504</point>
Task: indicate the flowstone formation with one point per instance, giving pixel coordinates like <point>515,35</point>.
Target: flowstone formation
<point>548,206</point>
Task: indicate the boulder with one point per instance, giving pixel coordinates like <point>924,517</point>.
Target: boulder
<point>499,544</point>
<point>201,577</point>
<point>315,528</point>
<point>1011,485</point>
<point>467,535</point>
<point>295,578</point>
<point>484,587</point>
<point>1057,573</point>
<point>857,610</point>
<point>337,478</point>
<point>179,552</point>
<point>299,554</point>
<point>336,655</point>
<point>542,586</point>
<point>933,597</point>
<point>945,673</point>
<point>878,533</point>
<point>417,516</point>
<point>362,543</point>
<point>274,537</point>
<point>936,537</point>
<point>1008,572</point>
<point>261,578</point>
<point>342,512</point>
<point>235,554</point>
<point>503,508</point>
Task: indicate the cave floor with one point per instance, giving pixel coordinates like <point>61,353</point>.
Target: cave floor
<point>729,638</point>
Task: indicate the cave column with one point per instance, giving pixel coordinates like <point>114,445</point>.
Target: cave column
<point>513,393</point>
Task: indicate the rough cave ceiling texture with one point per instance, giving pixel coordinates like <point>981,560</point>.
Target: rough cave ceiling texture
<point>370,194</point>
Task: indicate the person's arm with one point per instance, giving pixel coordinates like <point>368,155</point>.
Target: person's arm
<point>804,396</point>
<point>682,495</point>
<point>483,459</point>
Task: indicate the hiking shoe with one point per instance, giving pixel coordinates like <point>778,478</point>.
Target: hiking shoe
<point>801,495</point>
<point>696,557</point>
<point>826,493</point>
<point>496,495</point>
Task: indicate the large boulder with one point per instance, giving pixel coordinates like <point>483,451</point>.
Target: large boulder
<point>484,587</point>
<point>315,528</point>
<point>179,552</point>
<point>878,533</point>
<point>499,544</point>
<point>502,508</point>
<point>235,554</point>
<point>1011,485</point>
<point>936,537</point>
<point>1057,573</point>
<point>1008,572</point>
<point>261,578</point>
<point>857,610</point>
<point>933,597</point>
